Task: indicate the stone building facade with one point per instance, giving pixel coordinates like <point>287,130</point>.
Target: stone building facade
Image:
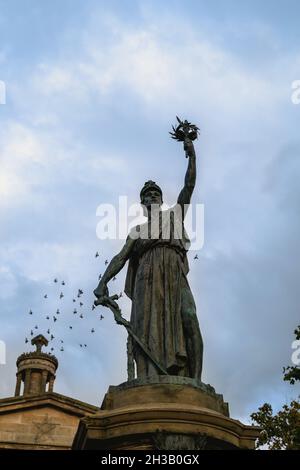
<point>37,417</point>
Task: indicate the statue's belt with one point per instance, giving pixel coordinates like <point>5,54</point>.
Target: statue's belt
<point>181,251</point>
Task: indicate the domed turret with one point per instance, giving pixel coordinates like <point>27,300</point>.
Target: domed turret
<point>36,369</point>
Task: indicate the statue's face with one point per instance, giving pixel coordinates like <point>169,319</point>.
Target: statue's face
<point>152,196</point>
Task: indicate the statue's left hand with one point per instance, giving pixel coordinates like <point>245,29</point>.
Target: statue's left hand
<point>189,148</point>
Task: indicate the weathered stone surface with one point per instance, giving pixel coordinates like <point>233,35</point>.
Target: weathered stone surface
<point>163,416</point>
<point>164,389</point>
<point>36,369</point>
<point>47,421</point>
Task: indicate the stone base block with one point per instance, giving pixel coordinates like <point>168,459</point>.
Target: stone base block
<point>163,413</point>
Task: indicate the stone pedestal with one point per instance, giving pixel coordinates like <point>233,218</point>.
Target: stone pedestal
<point>163,413</point>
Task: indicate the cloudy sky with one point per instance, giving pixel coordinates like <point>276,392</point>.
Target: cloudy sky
<point>92,88</point>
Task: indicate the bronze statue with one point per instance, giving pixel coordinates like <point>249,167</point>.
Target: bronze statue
<point>163,330</point>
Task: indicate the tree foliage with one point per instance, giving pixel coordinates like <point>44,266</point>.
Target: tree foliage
<point>292,373</point>
<point>282,430</point>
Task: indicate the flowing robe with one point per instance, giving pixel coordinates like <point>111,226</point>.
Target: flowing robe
<point>155,281</point>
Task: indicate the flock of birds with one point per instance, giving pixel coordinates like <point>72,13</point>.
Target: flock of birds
<point>77,311</point>
<point>77,299</point>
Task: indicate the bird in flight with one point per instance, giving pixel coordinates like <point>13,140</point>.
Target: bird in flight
<point>80,292</point>
<point>81,304</point>
<point>70,327</point>
<point>196,257</point>
<point>63,283</point>
<point>81,316</point>
<point>54,319</point>
<point>31,332</point>
<point>106,262</point>
<point>61,295</point>
<point>93,307</point>
<point>26,340</point>
<point>99,277</point>
<point>92,330</point>
<point>47,317</point>
<point>74,300</point>
<point>97,254</point>
<point>61,341</point>
<point>45,296</point>
<point>62,349</point>
<point>74,311</point>
<point>36,327</point>
<point>55,280</point>
<point>48,331</point>
<point>101,317</point>
<point>57,312</point>
<point>51,337</point>
<point>30,312</point>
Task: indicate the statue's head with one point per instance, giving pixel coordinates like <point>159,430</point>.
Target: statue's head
<point>151,194</point>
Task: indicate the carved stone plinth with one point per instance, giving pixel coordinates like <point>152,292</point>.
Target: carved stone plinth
<point>164,413</point>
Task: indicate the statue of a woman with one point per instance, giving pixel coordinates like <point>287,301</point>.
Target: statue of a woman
<point>163,314</point>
